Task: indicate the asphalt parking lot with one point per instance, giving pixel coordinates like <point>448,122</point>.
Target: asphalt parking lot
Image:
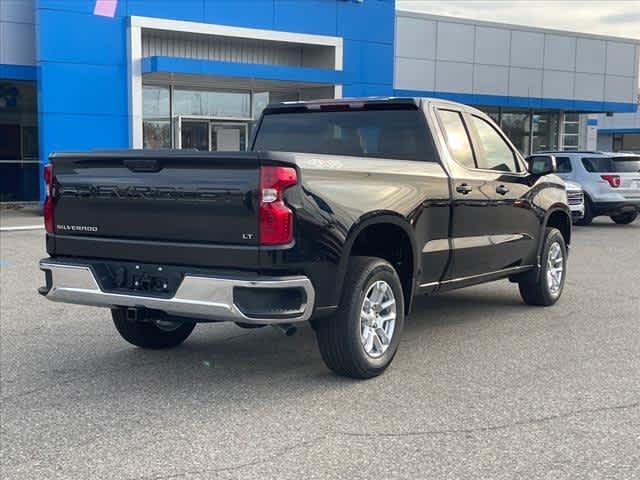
<point>482,387</point>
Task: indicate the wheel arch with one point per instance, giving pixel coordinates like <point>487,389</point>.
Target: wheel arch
<point>558,216</point>
<point>404,259</point>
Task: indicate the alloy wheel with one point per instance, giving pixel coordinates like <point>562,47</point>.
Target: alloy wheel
<point>555,268</point>
<point>377,319</point>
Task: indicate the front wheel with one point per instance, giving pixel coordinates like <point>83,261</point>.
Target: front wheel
<point>362,338</point>
<point>588,217</point>
<point>544,286</point>
<point>624,218</point>
<point>152,333</point>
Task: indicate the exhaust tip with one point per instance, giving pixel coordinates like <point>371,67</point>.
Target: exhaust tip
<point>287,328</point>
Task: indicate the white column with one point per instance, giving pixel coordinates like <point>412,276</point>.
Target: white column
<point>134,67</point>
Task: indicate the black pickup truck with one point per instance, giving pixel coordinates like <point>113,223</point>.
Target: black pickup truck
<point>342,212</point>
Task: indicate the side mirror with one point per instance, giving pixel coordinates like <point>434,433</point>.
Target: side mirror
<point>542,164</point>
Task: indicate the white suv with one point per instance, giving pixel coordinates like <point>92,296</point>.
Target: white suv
<point>611,183</point>
<point>575,199</point>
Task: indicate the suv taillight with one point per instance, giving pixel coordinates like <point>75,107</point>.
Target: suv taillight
<point>276,219</point>
<point>614,180</point>
<point>48,199</point>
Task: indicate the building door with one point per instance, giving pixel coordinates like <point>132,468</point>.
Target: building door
<point>206,134</point>
<point>228,136</point>
<point>194,134</point>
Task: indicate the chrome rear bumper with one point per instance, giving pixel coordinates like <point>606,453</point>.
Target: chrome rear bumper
<point>199,297</point>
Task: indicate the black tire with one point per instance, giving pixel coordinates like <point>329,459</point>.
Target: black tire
<point>624,218</point>
<point>339,336</point>
<point>534,287</point>
<point>146,334</point>
<point>588,214</point>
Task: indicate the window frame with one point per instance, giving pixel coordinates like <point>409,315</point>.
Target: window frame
<point>480,148</point>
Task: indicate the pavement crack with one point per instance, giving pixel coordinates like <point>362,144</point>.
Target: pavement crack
<point>236,467</point>
<point>492,428</point>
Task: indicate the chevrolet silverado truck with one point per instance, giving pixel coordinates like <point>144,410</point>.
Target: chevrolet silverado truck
<point>339,215</point>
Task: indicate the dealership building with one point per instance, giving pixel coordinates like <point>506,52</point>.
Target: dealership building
<point>101,74</point>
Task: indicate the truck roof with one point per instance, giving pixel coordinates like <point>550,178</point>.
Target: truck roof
<point>356,102</point>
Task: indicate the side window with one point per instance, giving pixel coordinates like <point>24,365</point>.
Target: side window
<point>497,155</point>
<point>457,138</point>
<point>564,165</point>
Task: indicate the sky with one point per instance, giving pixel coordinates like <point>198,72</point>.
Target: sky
<point>619,18</point>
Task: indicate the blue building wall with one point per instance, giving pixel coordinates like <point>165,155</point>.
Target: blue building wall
<point>81,58</point>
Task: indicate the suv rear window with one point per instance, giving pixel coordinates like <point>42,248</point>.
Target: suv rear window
<point>398,134</point>
<point>612,164</point>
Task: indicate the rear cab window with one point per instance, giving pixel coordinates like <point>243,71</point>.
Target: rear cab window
<point>373,131</point>
<point>612,164</point>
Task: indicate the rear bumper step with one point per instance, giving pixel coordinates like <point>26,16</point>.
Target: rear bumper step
<point>263,300</point>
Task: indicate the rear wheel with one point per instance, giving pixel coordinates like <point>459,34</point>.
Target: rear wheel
<point>545,286</point>
<point>588,217</point>
<point>624,218</point>
<point>150,332</point>
<point>362,338</point>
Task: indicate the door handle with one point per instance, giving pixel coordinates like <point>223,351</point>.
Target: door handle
<point>502,190</point>
<point>464,189</point>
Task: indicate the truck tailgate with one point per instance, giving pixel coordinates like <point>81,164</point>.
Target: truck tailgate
<point>186,198</point>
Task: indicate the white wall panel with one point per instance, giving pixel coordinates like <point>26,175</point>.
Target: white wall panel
<point>590,57</point>
<point>492,45</point>
<point>618,59</point>
<point>414,74</point>
<point>589,86</point>
<point>620,120</point>
<point>18,43</point>
<point>17,11</point>
<point>527,49</point>
<point>525,82</point>
<point>454,77</point>
<point>455,42</point>
<point>559,52</point>
<point>620,89</point>
<point>637,63</point>
<point>490,79</point>
<point>2,45</point>
<point>557,84</point>
<point>517,61</point>
<point>416,38</point>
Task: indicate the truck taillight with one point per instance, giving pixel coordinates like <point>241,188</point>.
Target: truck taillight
<point>614,180</point>
<point>276,219</point>
<point>48,199</point>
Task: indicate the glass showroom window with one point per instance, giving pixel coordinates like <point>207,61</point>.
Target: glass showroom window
<point>156,123</point>
<point>493,112</point>
<point>571,131</point>
<point>19,163</point>
<point>203,103</point>
<point>546,128</point>
<point>517,126</point>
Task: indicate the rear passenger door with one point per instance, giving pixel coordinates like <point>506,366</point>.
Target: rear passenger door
<point>565,170</point>
<point>472,222</point>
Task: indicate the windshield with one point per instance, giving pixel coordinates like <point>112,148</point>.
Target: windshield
<point>612,164</point>
<point>397,134</point>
